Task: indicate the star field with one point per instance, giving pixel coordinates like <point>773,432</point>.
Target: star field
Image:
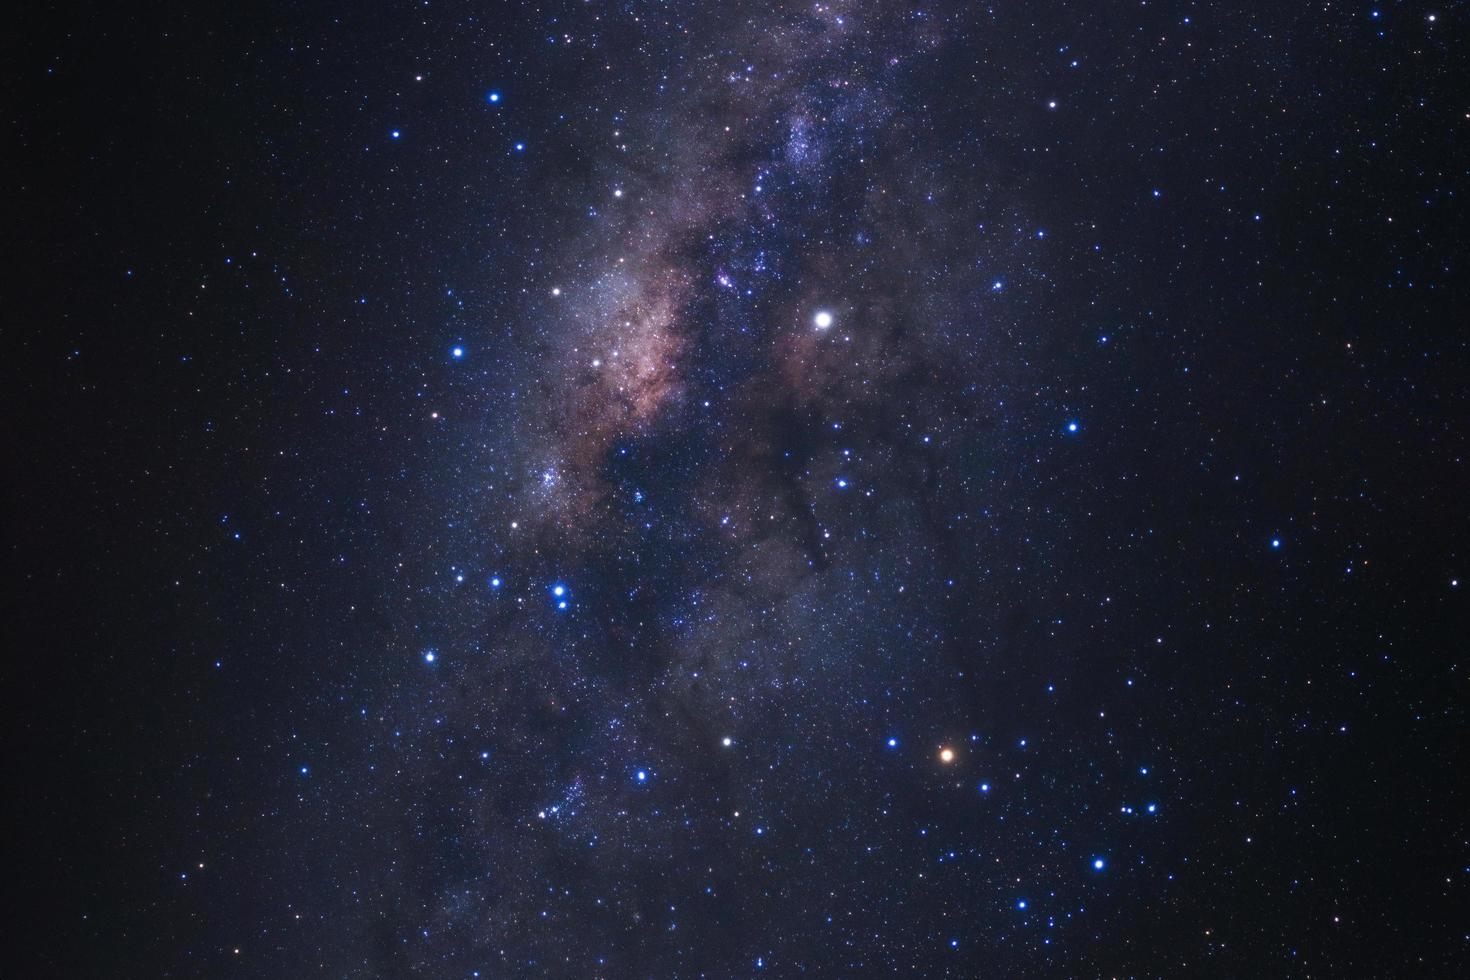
<point>686,489</point>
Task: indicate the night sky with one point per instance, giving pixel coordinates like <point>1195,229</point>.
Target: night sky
<point>670,489</point>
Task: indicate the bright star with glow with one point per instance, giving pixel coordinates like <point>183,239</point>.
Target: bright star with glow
<point>946,754</point>
<point>1098,864</point>
<point>456,352</point>
<point>823,319</point>
<point>429,656</point>
<point>492,97</point>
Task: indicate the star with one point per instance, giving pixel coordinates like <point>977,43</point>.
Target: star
<point>946,754</point>
<point>823,319</point>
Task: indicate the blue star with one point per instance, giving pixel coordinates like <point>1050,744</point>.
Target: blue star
<point>492,97</point>
<point>456,352</point>
<point>1071,426</point>
<point>1021,904</point>
<point>1098,864</point>
<point>1275,542</point>
<point>893,743</point>
<point>430,656</point>
<point>642,776</point>
<point>495,582</point>
<point>395,134</point>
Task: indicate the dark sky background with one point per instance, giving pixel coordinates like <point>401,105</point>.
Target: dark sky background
<point>706,490</point>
